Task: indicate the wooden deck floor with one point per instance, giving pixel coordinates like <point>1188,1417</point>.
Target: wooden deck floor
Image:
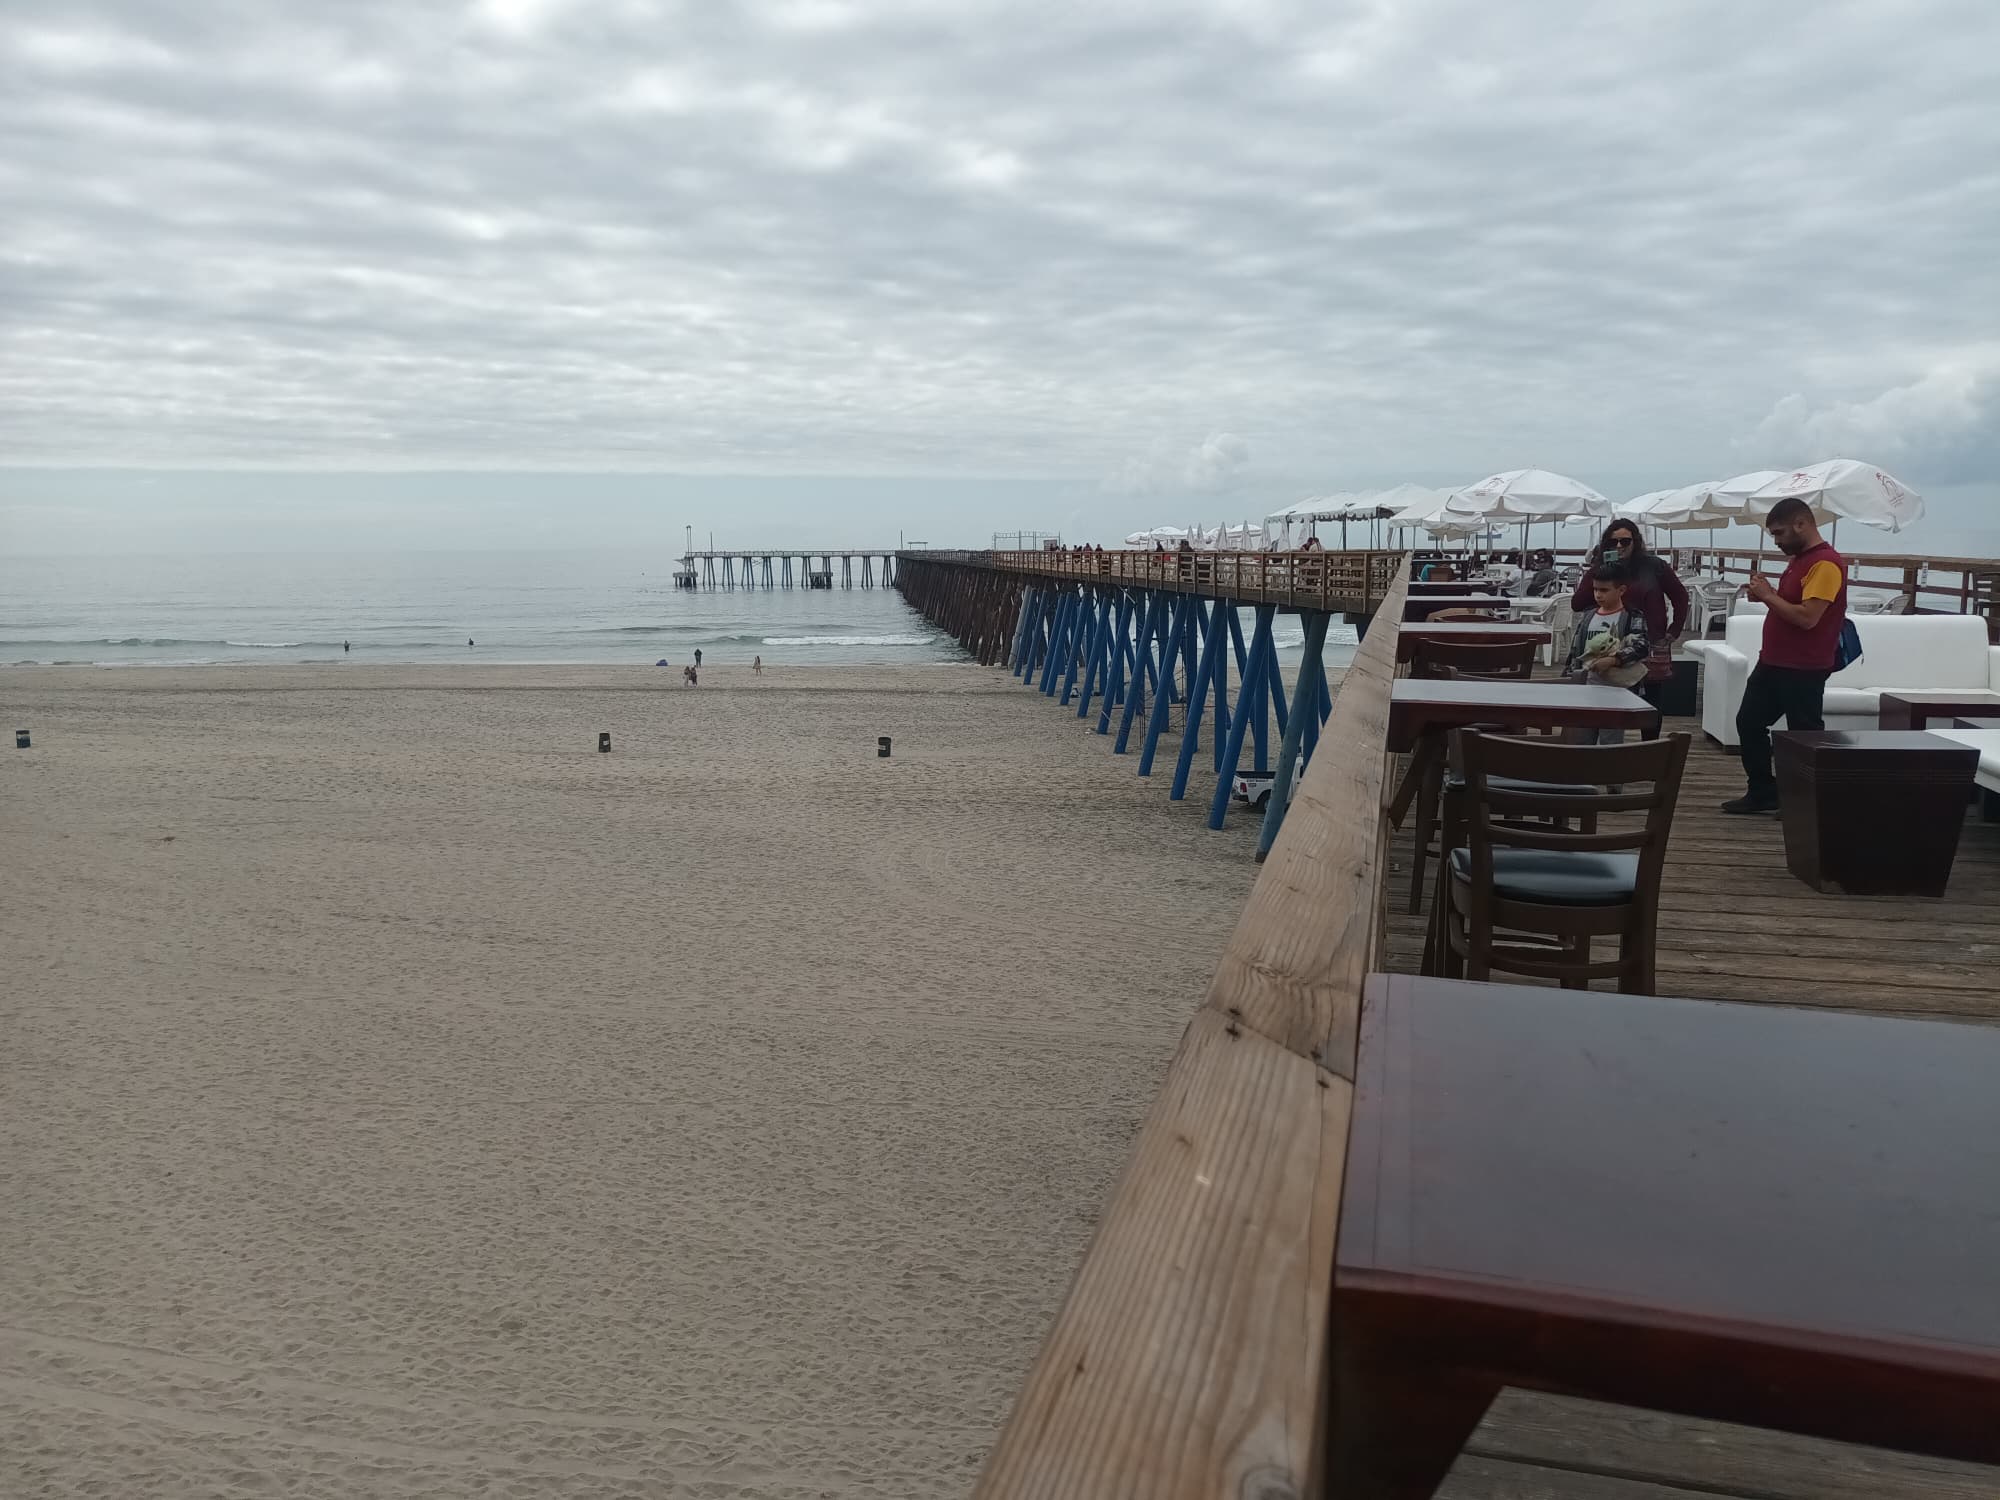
<point>1735,925</point>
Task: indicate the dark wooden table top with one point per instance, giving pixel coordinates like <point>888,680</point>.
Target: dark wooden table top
<point>1914,749</point>
<point>1798,1177</point>
<point>1468,632</point>
<point>1458,586</point>
<point>1912,708</point>
<point>1418,706</point>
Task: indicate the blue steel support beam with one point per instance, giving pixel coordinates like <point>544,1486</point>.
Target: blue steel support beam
<point>1058,634</point>
<point>1312,672</point>
<point>1250,702</point>
<point>1038,634</point>
<point>1279,714</point>
<point>1265,668</point>
<point>1081,636</point>
<point>1100,645</point>
<point>1157,724</point>
<point>1221,621</point>
<point>1197,700</point>
<point>1073,632</point>
<point>1114,691</point>
<point>1132,699</point>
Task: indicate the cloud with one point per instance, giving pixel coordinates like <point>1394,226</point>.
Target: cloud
<point>921,237</point>
<point>1211,466</point>
<point>1949,420</point>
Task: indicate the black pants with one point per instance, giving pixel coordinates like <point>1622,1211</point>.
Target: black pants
<point>1773,693</point>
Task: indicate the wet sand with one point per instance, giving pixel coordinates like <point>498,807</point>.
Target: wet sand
<point>400,1098</point>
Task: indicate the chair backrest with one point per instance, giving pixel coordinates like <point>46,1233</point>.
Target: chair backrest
<point>1495,814</point>
<point>1466,659</point>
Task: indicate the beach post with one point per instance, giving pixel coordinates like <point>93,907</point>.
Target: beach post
<point>882,746</point>
<point>21,739</point>
<point>604,743</point>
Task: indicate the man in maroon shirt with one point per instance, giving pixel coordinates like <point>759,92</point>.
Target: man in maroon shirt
<point>1808,605</point>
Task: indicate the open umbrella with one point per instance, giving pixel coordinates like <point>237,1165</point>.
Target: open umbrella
<point>1845,487</point>
<point>1527,496</point>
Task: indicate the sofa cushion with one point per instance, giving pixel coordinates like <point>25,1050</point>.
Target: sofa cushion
<point>1850,701</point>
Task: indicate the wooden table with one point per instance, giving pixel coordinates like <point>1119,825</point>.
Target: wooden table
<point>1914,708</point>
<point>1872,812</point>
<point>1421,706</point>
<point>1467,633</point>
<point>1422,606</point>
<point>1737,1212</point>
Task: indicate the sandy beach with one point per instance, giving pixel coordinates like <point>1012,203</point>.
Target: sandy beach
<point>400,1098</point>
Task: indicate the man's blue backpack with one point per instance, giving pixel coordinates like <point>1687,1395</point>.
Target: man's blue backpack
<point>1848,652</point>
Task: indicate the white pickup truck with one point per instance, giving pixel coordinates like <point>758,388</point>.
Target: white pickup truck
<point>1254,787</point>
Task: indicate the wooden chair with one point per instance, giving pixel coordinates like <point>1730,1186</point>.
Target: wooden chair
<point>1558,886</point>
<point>1511,662</point>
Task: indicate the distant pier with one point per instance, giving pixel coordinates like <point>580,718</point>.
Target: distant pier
<point>757,568</point>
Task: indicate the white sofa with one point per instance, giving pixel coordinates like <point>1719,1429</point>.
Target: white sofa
<point>1897,651</point>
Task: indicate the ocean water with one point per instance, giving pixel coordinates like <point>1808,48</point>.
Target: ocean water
<point>598,607</point>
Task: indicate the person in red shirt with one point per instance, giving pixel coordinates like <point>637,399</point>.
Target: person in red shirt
<point>1807,605</point>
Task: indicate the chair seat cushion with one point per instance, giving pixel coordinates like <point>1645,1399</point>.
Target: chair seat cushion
<point>1556,877</point>
<point>1515,784</point>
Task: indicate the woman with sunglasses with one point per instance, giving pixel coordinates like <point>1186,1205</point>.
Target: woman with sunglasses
<point>1652,591</point>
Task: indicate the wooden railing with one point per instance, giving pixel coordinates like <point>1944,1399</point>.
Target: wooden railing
<point>1354,582</point>
<point>1192,1355</point>
<point>1931,585</point>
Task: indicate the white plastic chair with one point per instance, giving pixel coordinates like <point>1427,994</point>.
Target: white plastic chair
<point>1562,625</point>
<point>1711,603</point>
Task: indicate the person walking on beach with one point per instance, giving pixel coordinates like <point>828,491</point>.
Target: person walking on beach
<point>757,665</point>
<point>697,656</point>
<point>1652,589</point>
<point>1806,607</point>
<point>346,646</point>
<point>691,677</point>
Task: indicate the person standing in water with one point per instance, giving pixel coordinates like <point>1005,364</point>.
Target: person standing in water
<point>347,645</point>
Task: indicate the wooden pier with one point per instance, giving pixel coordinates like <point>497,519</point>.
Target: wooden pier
<point>1194,1355</point>
<point>759,568</point>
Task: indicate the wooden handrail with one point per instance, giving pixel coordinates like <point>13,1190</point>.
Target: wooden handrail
<point>1191,1357</point>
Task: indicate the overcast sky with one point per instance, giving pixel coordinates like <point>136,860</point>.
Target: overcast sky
<point>1086,265</point>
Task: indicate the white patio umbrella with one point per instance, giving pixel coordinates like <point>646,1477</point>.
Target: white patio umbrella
<point>1845,487</point>
<point>1528,496</point>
